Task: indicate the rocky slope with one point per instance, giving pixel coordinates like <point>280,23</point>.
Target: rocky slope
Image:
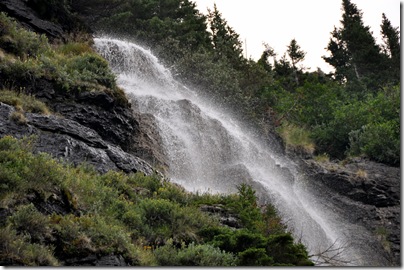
<point>365,193</point>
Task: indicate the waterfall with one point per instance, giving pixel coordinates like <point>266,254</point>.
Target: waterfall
<point>208,150</point>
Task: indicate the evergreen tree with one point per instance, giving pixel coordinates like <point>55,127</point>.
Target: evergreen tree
<point>340,58</point>
<point>391,38</point>
<point>191,27</point>
<point>355,54</point>
<point>284,73</point>
<point>296,55</point>
<point>225,40</point>
<point>264,59</point>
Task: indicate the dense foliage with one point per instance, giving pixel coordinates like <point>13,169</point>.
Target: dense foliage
<point>146,220</point>
<point>352,111</point>
<point>26,58</point>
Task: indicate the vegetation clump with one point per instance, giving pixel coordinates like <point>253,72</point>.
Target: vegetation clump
<point>23,102</point>
<point>28,58</point>
<point>142,218</point>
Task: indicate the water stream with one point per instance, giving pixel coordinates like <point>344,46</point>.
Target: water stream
<point>208,150</point>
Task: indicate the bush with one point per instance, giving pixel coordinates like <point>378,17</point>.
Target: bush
<point>22,43</point>
<point>282,249</point>
<point>187,222</point>
<point>27,57</point>
<point>29,221</point>
<point>378,141</point>
<point>173,193</point>
<point>25,102</point>
<point>193,255</point>
<point>238,241</point>
<point>17,250</point>
<point>90,68</point>
<point>109,219</point>
<point>92,234</point>
<point>157,212</point>
<point>254,257</point>
<point>296,138</point>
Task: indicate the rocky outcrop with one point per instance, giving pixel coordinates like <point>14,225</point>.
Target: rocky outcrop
<point>369,194</point>
<point>97,260</point>
<point>28,17</point>
<point>224,215</point>
<point>55,20</point>
<point>113,121</point>
<point>71,141</point>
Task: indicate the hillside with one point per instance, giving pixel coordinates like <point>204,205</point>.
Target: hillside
<point>82,174</point>
<point>74,191</point>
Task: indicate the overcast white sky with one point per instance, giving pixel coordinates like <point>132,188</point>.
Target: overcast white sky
<point>309,22</point>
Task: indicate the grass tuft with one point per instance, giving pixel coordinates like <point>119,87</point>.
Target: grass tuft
<point>296,138</point>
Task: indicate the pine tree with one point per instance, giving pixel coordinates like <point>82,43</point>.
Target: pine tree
<point>360,42</point>
<point>354,53</point>
<point>192,26</point>
<point>264,59</point>
<point>296,55</point>
<point>225,40</point>
<point>340,58</point>
<point>391,38</point>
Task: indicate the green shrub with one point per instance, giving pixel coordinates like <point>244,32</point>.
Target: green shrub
<point>29,221</point>
<point>296,138</point>
<point>19,74</point>
<point>92,234</point>
<point>157,212</point>
<point>20,42</point>
<point>193,255</point>
<point>239,241</point>
<point>377,113</point>
<point>16,249</point>
<point>173,193</point>
<point>110,219</point>
<point>90,68</point>
<point>244,205</point>
<point>187,222</point>
<point>254,257</point>
<point>332,137</point>
<point>152,183</point>
<point>282,249</point>
<point>27,57</point>
<point>25,102</point>
<point>132,219</point>
<point>378,141</point>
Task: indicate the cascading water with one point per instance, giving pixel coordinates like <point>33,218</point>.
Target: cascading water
<point>207,150</point>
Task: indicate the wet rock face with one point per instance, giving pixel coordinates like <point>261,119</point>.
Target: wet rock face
<point>26,16</point>
<point>369,194</point>
<point>114,123</point>
<point>364,181</point>
<point>67,139</point>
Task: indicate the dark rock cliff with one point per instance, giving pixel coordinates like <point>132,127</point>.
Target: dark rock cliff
<point>367,194</point>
